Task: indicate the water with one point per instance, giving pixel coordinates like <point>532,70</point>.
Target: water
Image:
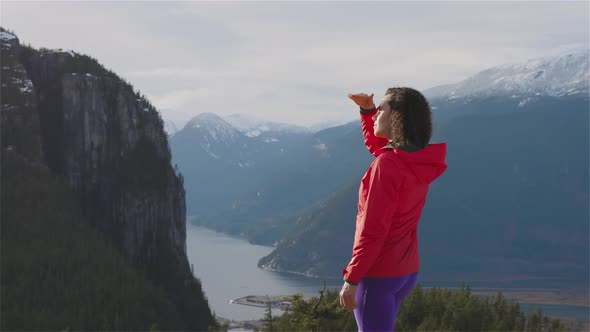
<point>227,269</point>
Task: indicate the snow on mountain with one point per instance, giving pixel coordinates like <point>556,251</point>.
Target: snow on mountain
<point>214,133</point>
<point>550,76</point>
<point>6,36</point>
<point>8,39</point>
<point>252,126</point>
<point>215,127</point>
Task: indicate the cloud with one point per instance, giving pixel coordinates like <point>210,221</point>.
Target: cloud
<point>179,98</point>
<point>296,61</point>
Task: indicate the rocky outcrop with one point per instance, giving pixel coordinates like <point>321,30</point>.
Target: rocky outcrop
<point>107,141</point>
<point>100,136</point>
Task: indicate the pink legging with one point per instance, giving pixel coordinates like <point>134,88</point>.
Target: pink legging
<point>379,300</point>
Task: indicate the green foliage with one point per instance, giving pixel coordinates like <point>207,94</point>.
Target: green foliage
<point>460,310</point>
<point>58,273</point>
<point>268,317</point>
<point>11,94</point>
<point>435,309</point>
<point>220,327</point>
<point>317,314</point>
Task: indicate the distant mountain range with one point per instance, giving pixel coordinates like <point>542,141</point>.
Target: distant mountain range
<point>513,205</point>
<point>252,126</point>
<point>518,172</point>
<point>515,196</point>
<point>235,178</point>
<point>222,164</point>
<point>557,76</point>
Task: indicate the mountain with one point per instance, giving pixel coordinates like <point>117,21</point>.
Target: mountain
<point>329,161</point>
<point>314,245</point>
<point>220,162</point>
<point>327,124</point>
<point>80,146</point>
<point>252,126</point>
<point>261,204</point>
<point>512,206</point>
<point>520,86</point>
<point>556,76</point>
<point>250,177</point>
<point>216,137</point>
<point>265,206</point>
<point>58,272</point>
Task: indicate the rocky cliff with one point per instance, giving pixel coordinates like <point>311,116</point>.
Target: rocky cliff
<point>66,112</point>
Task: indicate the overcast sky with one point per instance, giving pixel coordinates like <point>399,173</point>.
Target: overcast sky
<point>295,62</point>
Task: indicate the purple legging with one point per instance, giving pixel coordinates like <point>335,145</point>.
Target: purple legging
<point>379,300</point>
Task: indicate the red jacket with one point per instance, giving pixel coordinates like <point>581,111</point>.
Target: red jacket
<point>392,194</point>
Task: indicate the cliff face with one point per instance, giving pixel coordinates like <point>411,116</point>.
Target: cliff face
<point>88,126</point>
<point>96,131</point>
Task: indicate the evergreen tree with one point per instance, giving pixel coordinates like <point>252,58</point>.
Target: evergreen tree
<point>268,316</point>
<point>435,309</point>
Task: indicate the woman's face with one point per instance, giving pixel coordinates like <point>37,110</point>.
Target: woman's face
<point>382,119</point>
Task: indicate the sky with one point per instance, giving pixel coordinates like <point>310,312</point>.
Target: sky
<point>295,62</point>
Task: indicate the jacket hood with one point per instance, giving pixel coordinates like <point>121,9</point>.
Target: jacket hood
<point>427,164</point>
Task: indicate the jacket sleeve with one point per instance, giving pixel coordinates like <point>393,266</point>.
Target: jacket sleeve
<point>372,142</point>
<point>373,227</point>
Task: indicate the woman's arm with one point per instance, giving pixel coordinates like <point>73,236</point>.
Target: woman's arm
<point>372,142</point>
<point>367,110</point>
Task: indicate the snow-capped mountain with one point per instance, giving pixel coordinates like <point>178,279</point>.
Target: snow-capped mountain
<point>550,76</point>
<point>220,162</point>
<point>216,128</point>
<point>214,136</point>
<point>252,126</point>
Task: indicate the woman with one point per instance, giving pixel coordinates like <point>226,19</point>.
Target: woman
<point>392,193</point>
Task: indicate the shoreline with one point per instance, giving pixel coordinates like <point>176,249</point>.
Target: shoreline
<point>545,296</point>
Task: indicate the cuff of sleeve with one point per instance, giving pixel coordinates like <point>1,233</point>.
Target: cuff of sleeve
<point>346,277</point>
<point>351,283</point>
<point>368,111</point>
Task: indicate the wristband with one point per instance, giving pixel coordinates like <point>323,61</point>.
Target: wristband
<point>368,111</point>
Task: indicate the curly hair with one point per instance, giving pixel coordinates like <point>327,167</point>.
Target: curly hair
<point>412,117</point>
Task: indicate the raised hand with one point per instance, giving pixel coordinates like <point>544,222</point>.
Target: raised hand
<point>363,100</point>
